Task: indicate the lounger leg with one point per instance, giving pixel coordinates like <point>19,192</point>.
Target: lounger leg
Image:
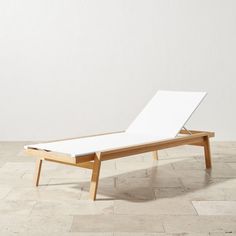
<point>95,177</point>
<point>37,171</point>
<point>207,152</point>
<point>155,155</point>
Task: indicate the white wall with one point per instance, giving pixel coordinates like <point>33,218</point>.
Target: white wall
<point>76,67</point>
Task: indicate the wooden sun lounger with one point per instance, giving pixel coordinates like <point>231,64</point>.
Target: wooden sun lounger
<point>140,137</point>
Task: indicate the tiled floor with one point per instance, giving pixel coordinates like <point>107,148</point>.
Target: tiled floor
<point>136,195</point>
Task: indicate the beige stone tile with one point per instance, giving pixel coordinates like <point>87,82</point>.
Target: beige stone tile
<point>190,195</point>
<point>229,194</point>
<point>135,194</point>
<point>224,183</point>
<point>108,195</point>
<point>52,224</point>
<point>165,172</point>
<point>117,223</point>
<point>41,193</point>
<point>222,170</point>
<point>157,207</point>
<point>190,173</point>
<point>183,152</point>
<point>133,158</point>
<point>134,188</point>
<point>222,158</point>
<point>45,233</point>
<point>118,188</point>
<point>49,169</point>
<point>189,165</point>
<point>148,157</point>
<point>191,234</point>
<point>12,224</point>
<point>205,194</point>
<point>29,177</point>
<point>4,190</point>
<point>89,234</point>
<point>196,180</point>
<point>17,181</point>
<point>34,233</point>
<point>169,192</point>
<point>199,224</point>
<point>223,144</point>
<point>70,172</point>
<point>125,193</point>
<point>167,164</point>
<point>195,186</point>
<point>215,207</point>
<point>166,182</point>
<point>223,234</point>
<point>75,207</point>
<point>20,207</point>
<point>109,165</point>
<point>141,234</point>
<point>158,234</point>
<point>232,165</point>
<point>106,189</point>
<point>133,182</point>
<point>12,149</point>
<point>132,174</point>
<point>224,150</point>
<point>133,163</point>
<point>66,184</point>
<point>106,182</point>
<point>19,167</point>
<point>9,177</point>
<point>14,178</point>
<point>136,234</point>
<point>2,162</point>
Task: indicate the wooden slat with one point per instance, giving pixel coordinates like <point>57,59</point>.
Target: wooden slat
<point>85,158</point>
<point>149,147</point>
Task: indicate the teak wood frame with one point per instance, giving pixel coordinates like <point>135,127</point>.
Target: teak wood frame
<point>93,161</point>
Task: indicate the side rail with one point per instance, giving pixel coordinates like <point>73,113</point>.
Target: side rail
<point>197,138</point>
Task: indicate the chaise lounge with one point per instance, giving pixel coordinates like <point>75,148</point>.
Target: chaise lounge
<point>160,125</point>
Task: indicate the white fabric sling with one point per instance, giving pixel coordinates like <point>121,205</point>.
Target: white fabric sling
<point>162,118</point>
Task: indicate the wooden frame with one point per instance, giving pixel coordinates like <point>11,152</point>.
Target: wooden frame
<point>93,161</point>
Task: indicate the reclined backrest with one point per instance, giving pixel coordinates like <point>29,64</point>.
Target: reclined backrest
<point>166,113</point>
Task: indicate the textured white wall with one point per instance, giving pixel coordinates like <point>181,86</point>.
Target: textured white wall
<point>69,68</point>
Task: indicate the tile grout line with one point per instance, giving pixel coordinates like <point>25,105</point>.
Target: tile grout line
<point>194,208</point>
